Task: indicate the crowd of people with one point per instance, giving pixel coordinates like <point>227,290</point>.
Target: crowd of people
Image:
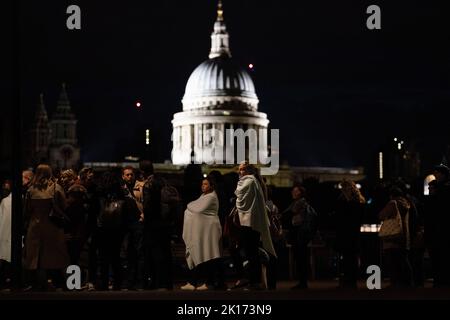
<point>120,226</point>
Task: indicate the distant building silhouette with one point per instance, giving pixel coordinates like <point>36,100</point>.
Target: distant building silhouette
<point>398,159</point>
<point>54,141</point>
<point>40,133</point>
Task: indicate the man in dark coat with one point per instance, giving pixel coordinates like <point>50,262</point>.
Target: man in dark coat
<point>158,230</point>
<point>436,229</point>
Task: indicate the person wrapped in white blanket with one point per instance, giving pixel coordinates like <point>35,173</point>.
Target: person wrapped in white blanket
<point>5,241</point>
<point>202,234</point>
<point>254,220</point>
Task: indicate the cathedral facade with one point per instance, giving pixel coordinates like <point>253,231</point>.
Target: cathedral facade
<point>54,141</point>
<point>219,95</point>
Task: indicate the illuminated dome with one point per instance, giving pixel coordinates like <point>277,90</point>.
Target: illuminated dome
<point>218,77</point>
<point>219,83</point>
<point>219,96</point>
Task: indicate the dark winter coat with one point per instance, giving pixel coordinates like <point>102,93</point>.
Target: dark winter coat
<point>45,245</point>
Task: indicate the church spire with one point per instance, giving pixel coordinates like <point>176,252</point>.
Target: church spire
<point>63,110</point>
<point>63,102</point>
<point>64,151</point>
<point>39,135</point>
<point>219,37</point>
<point>42,112</point>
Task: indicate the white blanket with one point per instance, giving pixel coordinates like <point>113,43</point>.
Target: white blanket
<point>5,229</point>
<point>252,209</point>
<point>201,230</point>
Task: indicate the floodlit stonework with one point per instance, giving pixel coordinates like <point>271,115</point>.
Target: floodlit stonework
<point>219,95</point>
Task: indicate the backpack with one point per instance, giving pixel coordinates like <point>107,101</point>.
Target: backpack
<point>310,224</point>
<point>111,213</point>
<point>170,204</point>
<point>166,213</point>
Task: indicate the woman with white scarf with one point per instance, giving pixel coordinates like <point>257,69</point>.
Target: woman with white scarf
<point>254,220</point>
<point>202,235</point>
<point>5,240</point>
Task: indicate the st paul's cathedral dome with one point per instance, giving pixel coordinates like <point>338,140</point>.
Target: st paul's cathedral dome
<point>219,95</point>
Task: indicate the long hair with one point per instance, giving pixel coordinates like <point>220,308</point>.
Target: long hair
<point>67,179</point>
<point>84,173</point>
<point>351,192</point>
<point>253,170</point>
<point>111,184</point>
<point>43,177</point>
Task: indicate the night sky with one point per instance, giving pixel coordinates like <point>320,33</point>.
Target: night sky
<point>336,90</point>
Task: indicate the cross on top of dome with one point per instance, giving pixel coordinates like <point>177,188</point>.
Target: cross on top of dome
<point>220,38</point>
<point>219,11</point>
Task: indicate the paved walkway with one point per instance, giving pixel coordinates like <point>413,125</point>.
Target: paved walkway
<point>318,290</point>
